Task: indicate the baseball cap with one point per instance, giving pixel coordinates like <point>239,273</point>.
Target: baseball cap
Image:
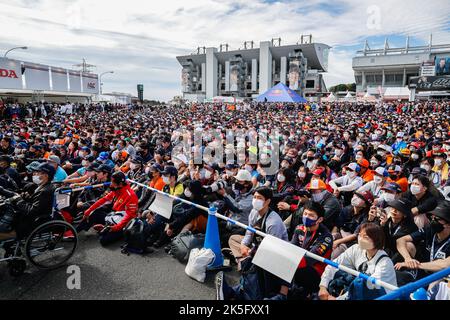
<point>352,166</point>
<point>103,156</point>
<point>244,175</point>
<point>55,159</point>
<point>33,166</point>
<point>46,168</point>
<point>316,184</point>
<point>394,187</point>
<point>103,168</point>
<point>170,171</point>
<point>231,166</point>
<point>395,168</point>
<point>93,167</point>
<point>367,196</point>
<point>364,163</point>
<point>382,172</point>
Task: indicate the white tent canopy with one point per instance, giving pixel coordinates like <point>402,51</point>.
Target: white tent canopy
<point>397,93</point>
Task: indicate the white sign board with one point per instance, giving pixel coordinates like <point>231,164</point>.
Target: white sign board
<point>428,71</point>
<point>10,74</point>
<point>63,200</point>
<point>162,205</point>
<point>279,257</point>
<point>90,83</point>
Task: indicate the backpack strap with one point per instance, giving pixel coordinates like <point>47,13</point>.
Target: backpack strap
<point>380,258</point>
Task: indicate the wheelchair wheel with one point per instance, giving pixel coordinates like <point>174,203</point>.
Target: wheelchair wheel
<point>17,267</point>
<point>51,245</point>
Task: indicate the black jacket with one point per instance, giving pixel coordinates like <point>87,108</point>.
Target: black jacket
<point>39,204</point>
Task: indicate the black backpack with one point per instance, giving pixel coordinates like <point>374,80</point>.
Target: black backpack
<point>135,238</point>
<point>181,245</point>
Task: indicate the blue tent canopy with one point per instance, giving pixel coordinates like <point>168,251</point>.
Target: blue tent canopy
<point>280,93</point>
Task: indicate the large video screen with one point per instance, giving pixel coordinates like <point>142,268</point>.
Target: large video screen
<point>442,66</point>
<point>294,74</point>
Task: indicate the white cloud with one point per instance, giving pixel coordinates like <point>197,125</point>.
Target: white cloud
<point>140,39</point>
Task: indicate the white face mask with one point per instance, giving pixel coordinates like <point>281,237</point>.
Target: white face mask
<point>415,156</point>
<point>147,170</point>
<point>37,180</point>
<point>317,197</point>
<point>374,164</point>
<point>166,179</point>
<point>188,193</point>
<point>84,163</point>
<point>208,174</point>
<point>438,162</point>
<point>388,197</point>
<point>301,175</point>
<point>381,153</point>
<point>415,189</point>
<point>358,157</point>
<point>258,204</point>
<point>351,174</point>
<point>356,202</point>
<point>281,178</point>
<point>378,180</point>
<point>133,166</point>
<point>426,167</point>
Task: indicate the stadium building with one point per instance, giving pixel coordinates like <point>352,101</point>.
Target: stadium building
<point>380,72</point>
<point>24,81</point>
<point>249,71</point>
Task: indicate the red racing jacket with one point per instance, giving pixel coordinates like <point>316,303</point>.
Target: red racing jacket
<point>319,242</point>
<point>123,200</point>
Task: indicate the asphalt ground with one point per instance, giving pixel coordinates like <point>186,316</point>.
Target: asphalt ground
<point>107,274</point>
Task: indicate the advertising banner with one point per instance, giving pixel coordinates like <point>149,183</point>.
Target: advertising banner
<point>442,66</point>
<point>10,74</point>
<point>90,83</point>
<point>294,74</point>
<point>234,77</point>
<point>430,83</point>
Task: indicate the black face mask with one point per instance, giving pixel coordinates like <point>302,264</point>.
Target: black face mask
<point>310,158</point>
<point>436,227</point>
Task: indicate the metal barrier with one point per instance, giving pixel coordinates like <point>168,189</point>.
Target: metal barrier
<point>355,273</point>
<point>412,287</point>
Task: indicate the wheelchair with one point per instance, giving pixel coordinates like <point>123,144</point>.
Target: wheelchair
<point>50,244</point>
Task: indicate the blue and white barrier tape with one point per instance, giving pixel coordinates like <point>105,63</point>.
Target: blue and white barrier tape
<point>355,273</point>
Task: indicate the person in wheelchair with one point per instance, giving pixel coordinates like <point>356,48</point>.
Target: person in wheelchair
<point>124,208</point>
<point>38,206</point>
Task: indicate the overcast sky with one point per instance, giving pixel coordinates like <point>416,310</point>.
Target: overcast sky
<point>139,40</point>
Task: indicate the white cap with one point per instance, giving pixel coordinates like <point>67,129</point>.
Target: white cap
<point>353,166</point>
<point>381,171</point>
<point>244,175</point>
<point>182,158</point>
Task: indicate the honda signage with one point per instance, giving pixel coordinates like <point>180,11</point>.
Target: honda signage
<point>10,74</point>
